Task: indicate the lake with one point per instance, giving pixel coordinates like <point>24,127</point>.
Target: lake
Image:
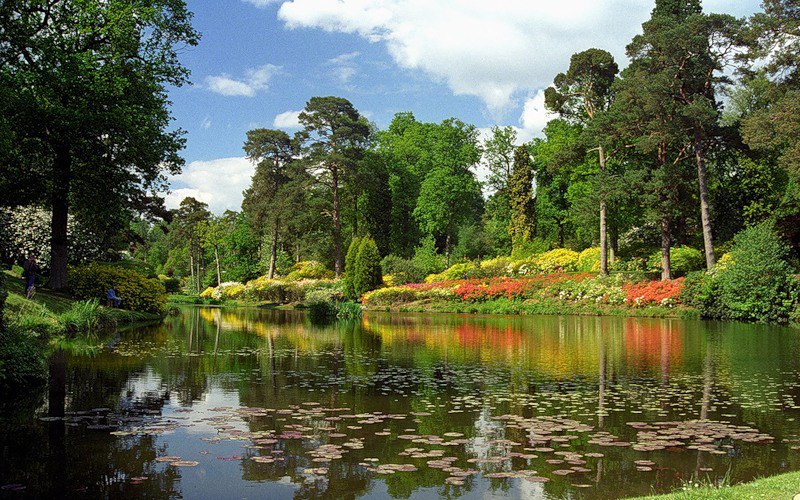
<point>249,403</point>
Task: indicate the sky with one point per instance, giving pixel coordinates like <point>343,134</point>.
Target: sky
<point>487,63</point>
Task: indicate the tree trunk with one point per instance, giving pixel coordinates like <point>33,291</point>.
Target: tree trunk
<point>447,251</point>
<point>705,211</point>
<point>603,230</point>
<point>58,227</point>
<point>216,258</point>
<point>337,225</point>
<point>666,271</point>
<point>273,254</point>
<point>191,268</point>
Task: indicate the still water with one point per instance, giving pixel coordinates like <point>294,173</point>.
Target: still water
<point>247,403</point>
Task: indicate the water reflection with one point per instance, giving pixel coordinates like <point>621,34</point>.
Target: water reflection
<point>264,402</point>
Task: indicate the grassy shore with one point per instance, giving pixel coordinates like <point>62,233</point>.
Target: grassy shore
<point>784,486</point>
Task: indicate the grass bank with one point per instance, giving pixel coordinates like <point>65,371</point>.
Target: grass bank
<point>784,486</point>
<point>49,321</point>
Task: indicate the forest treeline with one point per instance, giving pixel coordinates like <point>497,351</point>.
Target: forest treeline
<point>695,140</point>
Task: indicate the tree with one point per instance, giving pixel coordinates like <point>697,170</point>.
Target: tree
<point>211,233</point>
<point>350,268</point>
<point>90,109</point>
<point>665,106</point>
<point>498,153</point>
<point>189,220</point>
<point>579,94</point>
<point>774,127</point>
<point>522,224</point>
<point>367,274</point>
<point>335,136</point>
<point>270,198</point>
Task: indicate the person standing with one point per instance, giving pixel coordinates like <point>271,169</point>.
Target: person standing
<point>29,270</point>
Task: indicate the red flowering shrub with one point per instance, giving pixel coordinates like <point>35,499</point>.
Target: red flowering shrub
<point>521,288</point>
<point>654,292</point>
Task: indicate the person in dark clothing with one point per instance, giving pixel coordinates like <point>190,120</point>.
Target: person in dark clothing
<point>29,270</point>
<point>111,296</point>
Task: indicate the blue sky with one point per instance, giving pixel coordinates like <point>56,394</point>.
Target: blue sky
<point>486,63</point>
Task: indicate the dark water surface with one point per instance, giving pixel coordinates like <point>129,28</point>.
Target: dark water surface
<point>261,404</point>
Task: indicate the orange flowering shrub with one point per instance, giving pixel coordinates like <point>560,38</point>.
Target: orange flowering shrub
<point>663,293</point>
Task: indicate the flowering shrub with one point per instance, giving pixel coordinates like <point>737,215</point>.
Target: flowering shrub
<point>600,290</point>
<point>589,260</point>
<point>26,230</point>
<point>663,293</point>
<point>309,269</point>
<point>558,260</point>
<point>497,267</point>
<point>229,290</point>
<point>208,293</point>
<point>462,270</point>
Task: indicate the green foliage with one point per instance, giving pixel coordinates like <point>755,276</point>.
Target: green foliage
<point>526,249</point>
<point>22,359</point>
<point>402,270</point>
<point>759,285</point>
<point>522,223</point>
<point>136,265</point>
<point>138,293</point>
<point>683,260</point>
<point>367,275</point>
<point>426,259</point>
<point>350,268</point>
<point>171,285</point>
<point>348,310</point>
<point>3,297</point>
<point>321,305</point>
<point>309,270</point>
<point>83,317</point>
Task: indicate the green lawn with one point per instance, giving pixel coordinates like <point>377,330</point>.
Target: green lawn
<point>54,301</point>
<point>784,486</point>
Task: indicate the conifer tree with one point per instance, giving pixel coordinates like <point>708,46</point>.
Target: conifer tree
<point>520,189</point>
<point>368,275</point>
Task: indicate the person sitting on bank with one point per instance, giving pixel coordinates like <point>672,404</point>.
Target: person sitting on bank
<point>111,296</point>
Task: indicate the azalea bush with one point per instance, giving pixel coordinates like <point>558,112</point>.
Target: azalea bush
<point>589,260</point>
<point>309,269</point>
<point>664,293</point>
<point>598,290</point>
<point>470,290</point>
<point>558,260</point>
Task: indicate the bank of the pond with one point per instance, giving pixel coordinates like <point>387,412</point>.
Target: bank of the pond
<point>784,486</point>
<point>50,320</point>
<point>545,306</point>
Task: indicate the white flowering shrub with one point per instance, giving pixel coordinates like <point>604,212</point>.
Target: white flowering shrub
<point>26,230</point>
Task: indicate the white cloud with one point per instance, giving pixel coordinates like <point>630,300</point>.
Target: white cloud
<point>218,182</point>
<point>344,67</point>
<point>261,3</point>
<point>534,117</point>
<point>287,120</point>
<point>255,79</point>
<point>206,123</point>
<point>495,52</point>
